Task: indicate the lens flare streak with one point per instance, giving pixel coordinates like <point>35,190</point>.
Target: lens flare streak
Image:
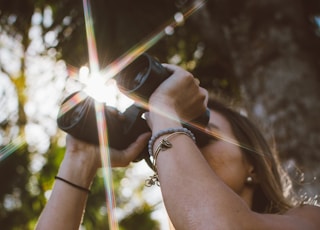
<point>11,148</point>
<point>112,70</point>
<point>213,133</point>
<point>101,121</point>
<point>91,41</point>
<point>106,164</point>
<point>72,102</point>
<point>132,54</point>
<point>219,135</point>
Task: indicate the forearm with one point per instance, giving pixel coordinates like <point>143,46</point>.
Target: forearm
<point>194,196</point>
<point>65,207</point>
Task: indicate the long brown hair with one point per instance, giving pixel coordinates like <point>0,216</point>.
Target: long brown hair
<point>269,192</point>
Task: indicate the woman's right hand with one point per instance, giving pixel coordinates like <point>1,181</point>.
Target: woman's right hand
<point>179,95</point>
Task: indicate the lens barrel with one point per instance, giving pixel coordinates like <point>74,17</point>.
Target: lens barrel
<point>142,77</point>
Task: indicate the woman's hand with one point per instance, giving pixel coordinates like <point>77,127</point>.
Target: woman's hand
<point>66,204</point>
<point>180,95</point>
<point>90,154</point>
<point>122,158</point>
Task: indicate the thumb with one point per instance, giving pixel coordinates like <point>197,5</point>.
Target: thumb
<point>135,148</point>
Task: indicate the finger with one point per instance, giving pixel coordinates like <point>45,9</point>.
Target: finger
<point>134,149</point>
<point>175,69</point>
<point>147,117</point>
<point>197,81</point>
<point>206,94</point>
<point>171,67</point>
<point>138,145</point>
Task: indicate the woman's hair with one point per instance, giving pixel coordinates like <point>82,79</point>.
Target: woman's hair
<point>269,195</point>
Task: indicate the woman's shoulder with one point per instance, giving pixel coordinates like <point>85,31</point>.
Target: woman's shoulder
<point>303,209</point>
<point>306,212</point>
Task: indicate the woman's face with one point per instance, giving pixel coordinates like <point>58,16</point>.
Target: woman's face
<point>225,158</point>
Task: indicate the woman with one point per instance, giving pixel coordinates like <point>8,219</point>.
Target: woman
<point>231,183</point>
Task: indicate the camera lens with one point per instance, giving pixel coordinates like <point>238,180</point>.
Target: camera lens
<point>133,77</point>
<point>73,116</point>
<point>140,78</point>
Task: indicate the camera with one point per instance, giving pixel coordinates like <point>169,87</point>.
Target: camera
<point>138,79</point>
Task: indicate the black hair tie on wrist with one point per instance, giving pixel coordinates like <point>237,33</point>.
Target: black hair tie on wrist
<point>73,185</point>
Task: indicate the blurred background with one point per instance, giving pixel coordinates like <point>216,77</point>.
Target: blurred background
<point>262,55</point>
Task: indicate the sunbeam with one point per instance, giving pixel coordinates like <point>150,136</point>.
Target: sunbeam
<point>132,54</point>
<point>71,103</point>
<point>11,148</point>
<point>100,78</point>
<point>101,120</point>
<point>103,76</point>
<point>106,164</point>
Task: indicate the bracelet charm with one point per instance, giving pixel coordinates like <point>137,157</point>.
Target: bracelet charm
<point>163,145</point>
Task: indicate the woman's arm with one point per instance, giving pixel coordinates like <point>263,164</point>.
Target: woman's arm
<point>195,197</point>
<point>65,207</point>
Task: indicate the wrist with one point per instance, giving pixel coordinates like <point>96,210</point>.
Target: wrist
<point>162,115</point>
<point>78,168</point>
<point>162,120</point>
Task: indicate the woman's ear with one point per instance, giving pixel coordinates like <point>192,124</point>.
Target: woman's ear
<point>252,177</point>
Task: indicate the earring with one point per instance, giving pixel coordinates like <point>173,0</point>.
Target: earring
<point>249,180</point>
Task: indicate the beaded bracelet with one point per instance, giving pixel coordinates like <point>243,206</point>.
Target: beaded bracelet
<point>168,131</point>
<point>163,145</point>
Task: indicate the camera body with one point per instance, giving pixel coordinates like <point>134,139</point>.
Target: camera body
<point>139,79</point>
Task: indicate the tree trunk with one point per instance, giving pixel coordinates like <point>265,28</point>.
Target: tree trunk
<point>275,55</point>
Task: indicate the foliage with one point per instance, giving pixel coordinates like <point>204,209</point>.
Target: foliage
<point>25,189</point>
<point>234,47</point>
<point>21,199</point>
<point>140,218</point>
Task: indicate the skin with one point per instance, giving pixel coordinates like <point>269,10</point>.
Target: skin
<point>201,188</point>
<point>199,194</point>
<point>66,205</point>
<point>227,160</point>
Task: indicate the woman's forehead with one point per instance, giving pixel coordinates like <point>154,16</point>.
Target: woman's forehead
<point>218,121</point>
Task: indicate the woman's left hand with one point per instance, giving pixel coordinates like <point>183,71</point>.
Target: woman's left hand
<point>90,153</point>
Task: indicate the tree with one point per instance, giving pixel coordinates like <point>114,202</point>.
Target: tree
<point>262,54</point>
<point>272,49</point>
<point>32,163</point>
